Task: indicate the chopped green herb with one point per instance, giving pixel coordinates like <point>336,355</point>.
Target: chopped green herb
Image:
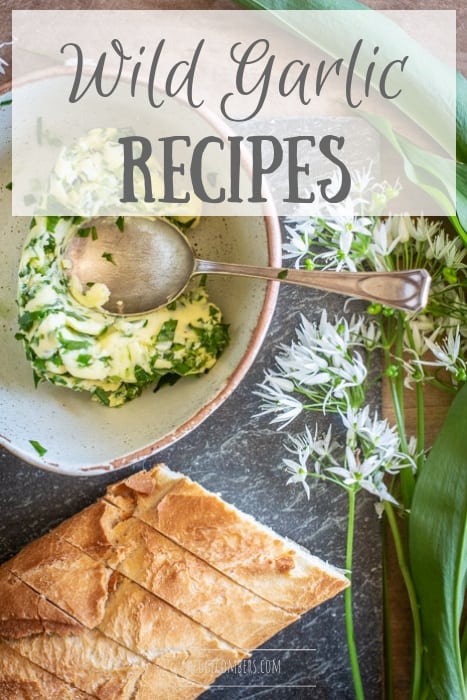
<point>9,186</point>
<point>86,231</point>
<point>109,258</point>
<point>102,396</point>
<point>167,380</point>
<point>51,223</point>
<point>84,360</point>
<point>5,103</point>
<point>38,447</point>
<point>68,344</point>
<point>120,223</point>
<point>49,247</point>
<point>167,332</point>
<point>282,275</point>
<point>141,376</point>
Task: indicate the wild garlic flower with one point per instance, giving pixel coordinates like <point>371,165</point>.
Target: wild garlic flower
<point>276,394</point>
<point>371,452</point>
<point>448,354</point>
<point>323,366</point>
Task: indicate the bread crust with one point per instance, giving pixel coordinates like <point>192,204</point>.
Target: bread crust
<point>24,612</point>
<point>90,661</point>
<point>149,593</point>
<point>74,581</point>
<point>161,633</point>
<point>274,568</point>
<point>168,686</point>
<point>22,680</point>
<point>169,571</point>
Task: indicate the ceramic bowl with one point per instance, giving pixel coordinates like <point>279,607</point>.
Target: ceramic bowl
<point>84,438</point>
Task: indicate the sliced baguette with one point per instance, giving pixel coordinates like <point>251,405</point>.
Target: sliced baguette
<point>140,620</point>
<point>233,542</point>
<point>171,572</point>
<point>22,680</point>
<point>158,684</point>
<point>85,657</point>
<point>74,581</point>
<point>148,594</point>
<point>89,661</point>
<point>23,612</point>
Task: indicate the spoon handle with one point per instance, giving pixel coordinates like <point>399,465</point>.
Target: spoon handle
<point>403,289</point>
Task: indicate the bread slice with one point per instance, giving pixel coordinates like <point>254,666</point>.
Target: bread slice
<point>75,652</point>
<point>158,684</point>
<point>140,620</point>
<point>22,680</point>
<point>89,661</point>
<point>172,573</point>
<point>233,542</point>
<point>24,612</point>
<point>74,581</point>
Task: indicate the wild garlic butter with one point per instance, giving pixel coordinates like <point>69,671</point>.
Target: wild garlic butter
<point>73,343</point>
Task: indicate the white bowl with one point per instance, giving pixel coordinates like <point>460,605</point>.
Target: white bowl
<point>84,438</point>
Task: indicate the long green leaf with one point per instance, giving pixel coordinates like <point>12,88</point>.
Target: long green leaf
<point>419,163</point>
<point>427,102</point>
<point>438,551</point>
<point>429,96</point>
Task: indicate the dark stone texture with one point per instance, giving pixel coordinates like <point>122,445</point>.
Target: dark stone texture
<point>238,454</point>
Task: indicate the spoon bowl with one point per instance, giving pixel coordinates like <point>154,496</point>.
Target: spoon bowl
<point>147,263</point>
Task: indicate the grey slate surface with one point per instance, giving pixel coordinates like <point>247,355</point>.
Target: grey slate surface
<point>238,454</point>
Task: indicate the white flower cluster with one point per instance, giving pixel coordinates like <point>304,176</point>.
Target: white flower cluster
<point>371,450</point>
<point>324,369</point>
<point>387,244</point>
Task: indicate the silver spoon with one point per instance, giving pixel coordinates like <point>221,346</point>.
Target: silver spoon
<point>149,263</point>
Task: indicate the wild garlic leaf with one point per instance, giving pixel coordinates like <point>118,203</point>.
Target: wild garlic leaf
<point>438,551</point>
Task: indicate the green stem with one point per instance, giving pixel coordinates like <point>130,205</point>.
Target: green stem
<point>353,655</point>
<point>459,228</point>
<point>417,630</point>
<point>420,403</point>
<point>420,425</point>
<point>389,678</point>
<point>397,394</point>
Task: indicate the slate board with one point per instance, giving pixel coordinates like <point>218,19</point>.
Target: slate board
<point>238,454</point>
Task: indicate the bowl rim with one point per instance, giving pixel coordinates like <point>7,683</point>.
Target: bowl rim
<point>273,234</point>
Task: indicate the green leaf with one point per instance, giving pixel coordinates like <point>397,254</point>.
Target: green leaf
<point>108,257</point>
<point>427,98</point>
<point>461,187</point>
<point>167,331</point>
<point>438,551</point>
<point>430,172</point>
<point>102,396</point>
<point>38,447</point>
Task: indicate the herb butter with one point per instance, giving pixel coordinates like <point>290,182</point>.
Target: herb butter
<point>82,347</point>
